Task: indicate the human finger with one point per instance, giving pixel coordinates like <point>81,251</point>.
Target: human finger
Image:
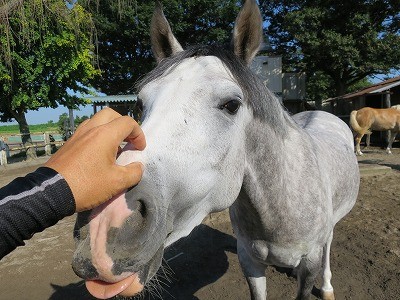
<point>104,116</point>
<point>84,122</point>
<point>138,139</point>
<point>128,175</point>
<point>82,125</point>
<point>126,129</point>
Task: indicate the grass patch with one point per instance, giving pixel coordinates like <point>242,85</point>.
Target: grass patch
<point>39,128</point>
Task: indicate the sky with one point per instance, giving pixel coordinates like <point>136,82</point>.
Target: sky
<point>45,115</point>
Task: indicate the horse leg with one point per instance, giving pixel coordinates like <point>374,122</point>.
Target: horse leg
<point>368,141</point>
<point>358,141</point>
<point>327,289</point>
<point>254,273</point>
<point>307,272</point>
<point>391,140</point>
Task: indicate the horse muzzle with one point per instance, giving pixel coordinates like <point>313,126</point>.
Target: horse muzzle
<point>119,245</point>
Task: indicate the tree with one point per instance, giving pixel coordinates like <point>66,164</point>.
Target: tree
<point>123,35</point>
<point>45,48</point>
<point>64,126</point>
<point>337,43</point>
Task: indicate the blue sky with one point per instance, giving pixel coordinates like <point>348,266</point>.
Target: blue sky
<point>44,115</point>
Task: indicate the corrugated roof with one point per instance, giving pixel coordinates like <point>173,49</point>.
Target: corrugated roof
<point>113,98</point>
<point>372,89</point>
<point>386,87</point>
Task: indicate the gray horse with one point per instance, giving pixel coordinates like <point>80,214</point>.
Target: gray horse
<point>217,138</point>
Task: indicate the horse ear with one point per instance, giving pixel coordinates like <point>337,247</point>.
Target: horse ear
<point>163,41</point>
<point>247,33</point>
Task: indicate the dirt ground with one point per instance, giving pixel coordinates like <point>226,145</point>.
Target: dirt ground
<point>365,256</point>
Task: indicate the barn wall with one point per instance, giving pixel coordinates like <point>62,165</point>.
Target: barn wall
<point>395,96</point>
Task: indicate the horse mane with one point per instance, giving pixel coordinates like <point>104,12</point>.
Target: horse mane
<point>264,104</point>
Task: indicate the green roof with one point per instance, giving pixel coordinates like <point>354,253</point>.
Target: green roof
<point>113,98</point>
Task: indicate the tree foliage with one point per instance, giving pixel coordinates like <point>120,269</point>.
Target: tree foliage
<point>123,35</point>
<point>337,43</point>
<point>45,48</point>
<point>50,51</point>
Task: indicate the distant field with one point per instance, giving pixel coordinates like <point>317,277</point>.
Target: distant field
<point>39,128</point>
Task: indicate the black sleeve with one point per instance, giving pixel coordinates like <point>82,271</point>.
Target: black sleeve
<point>30,204</point>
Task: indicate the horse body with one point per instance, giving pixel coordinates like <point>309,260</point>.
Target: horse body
<point>217,138</point>
<point>375,119</point>
<point>287,208</point>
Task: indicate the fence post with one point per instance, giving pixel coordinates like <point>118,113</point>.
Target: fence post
<point>47,145</point>
<point>3,152</point>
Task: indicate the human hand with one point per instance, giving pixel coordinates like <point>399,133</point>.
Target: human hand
<point>87,160</point>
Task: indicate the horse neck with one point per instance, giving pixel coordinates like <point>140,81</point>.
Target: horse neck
<point>276,155</point>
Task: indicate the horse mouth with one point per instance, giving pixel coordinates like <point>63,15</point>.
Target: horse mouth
<point>127,287</point>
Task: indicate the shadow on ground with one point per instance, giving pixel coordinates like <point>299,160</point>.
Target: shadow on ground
<point>73,291</point>
<point>187,268</point>
<point>378,161</point>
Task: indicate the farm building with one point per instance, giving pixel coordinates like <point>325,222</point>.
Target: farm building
<point>124,104</point>
<point>288,87</point>
<point>381,95</point>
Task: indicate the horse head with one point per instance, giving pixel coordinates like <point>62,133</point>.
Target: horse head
<point>196,109</point>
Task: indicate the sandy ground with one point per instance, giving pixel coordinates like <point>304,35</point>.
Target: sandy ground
<point>365,256</point>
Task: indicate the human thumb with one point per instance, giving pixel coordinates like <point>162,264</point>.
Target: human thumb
<point>132,173</point>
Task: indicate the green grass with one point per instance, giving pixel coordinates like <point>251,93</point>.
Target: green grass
<point>39,128</point>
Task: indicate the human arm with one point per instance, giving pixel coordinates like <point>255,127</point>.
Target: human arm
<point>79,176</point>
<point>30,204</point>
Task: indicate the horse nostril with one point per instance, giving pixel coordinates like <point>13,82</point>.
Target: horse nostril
<point>139,207</point>
<point>142,208</point>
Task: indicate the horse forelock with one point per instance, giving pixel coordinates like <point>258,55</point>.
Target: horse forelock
<point>262,102</point>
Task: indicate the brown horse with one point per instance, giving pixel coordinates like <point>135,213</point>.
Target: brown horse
<point>365,120</point>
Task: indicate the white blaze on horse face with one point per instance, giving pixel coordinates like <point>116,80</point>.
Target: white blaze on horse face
<point>193,145</point>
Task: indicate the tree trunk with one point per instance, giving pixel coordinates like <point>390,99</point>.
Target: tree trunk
<point>340,91</point>
<point>26,135</point>
<point>341,88</point>
<point>71,120</point>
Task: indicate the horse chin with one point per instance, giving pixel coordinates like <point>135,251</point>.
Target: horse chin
<point>127,287</point>
<point>131,285</point>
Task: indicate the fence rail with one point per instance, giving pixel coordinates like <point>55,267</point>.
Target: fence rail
<point>14,143</point>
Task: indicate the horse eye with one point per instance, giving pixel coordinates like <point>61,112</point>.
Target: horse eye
<point>231,106</point>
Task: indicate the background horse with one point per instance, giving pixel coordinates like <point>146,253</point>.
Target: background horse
<point>380,119</point>
<point>217,138</point>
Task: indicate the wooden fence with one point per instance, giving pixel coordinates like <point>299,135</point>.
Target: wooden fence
<point>45,140</point>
